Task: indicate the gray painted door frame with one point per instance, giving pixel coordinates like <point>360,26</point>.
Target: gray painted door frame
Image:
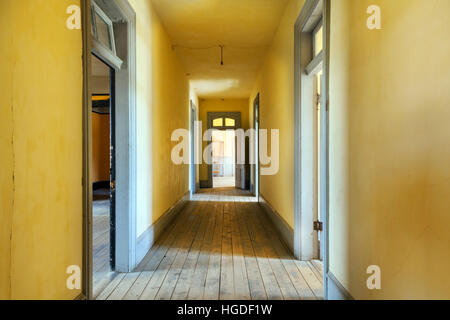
<point>313,10</point>
<point>210,117</point>
<point>254,185</point>
<point>125,126</point>
<point>193,165</point>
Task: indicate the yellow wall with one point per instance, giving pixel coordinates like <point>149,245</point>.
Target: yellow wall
<point>275,84</point>
<point>6,137</point>
<point>390,148</point>
<point>162,106</point>
<point>41,143</point>
<point>220,105</point>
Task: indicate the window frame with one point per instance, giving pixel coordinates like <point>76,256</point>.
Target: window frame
<point>314,33</point>
<point>222,123</point>
<point>96,10</point>
<point>232,125</point>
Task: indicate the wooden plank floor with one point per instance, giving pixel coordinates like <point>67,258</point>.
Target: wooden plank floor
<point>221,246</point>
<point>100,250</point>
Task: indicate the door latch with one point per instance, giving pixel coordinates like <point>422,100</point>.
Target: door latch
<point>318,226</point>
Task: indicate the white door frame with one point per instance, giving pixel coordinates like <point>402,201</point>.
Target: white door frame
<point>125,255</point>
<point>193,165</point>
<point>312,12</point>
<point>221,114</point>
<point>254,183</point>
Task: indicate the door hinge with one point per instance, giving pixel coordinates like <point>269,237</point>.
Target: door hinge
<point>318,226</point>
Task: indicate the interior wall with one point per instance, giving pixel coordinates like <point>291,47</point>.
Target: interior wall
<point>7,53</point>
<point>162,106</point>
<point>275,84</point>
<point>100,134</point>
<point>41,143</point>
<point>100,85</point>
<point>100,147</point>
<point>220,105</point>
<point>390,148</point>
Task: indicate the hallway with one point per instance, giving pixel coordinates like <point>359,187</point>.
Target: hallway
<point>135,132</point>
<point>221,246</point>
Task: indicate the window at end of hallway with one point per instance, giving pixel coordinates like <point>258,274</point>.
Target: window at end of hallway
<point>229,122</point>
<point>218,122</point>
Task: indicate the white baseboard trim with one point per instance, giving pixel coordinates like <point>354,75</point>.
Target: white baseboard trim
<point>285,230</point>
<point>146,240</point>
<point>335,290</point>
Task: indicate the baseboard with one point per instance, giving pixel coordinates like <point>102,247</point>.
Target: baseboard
<point>146,240</point>
<point>204,184</point>
<point>335,290</point>
<point>285,231</point>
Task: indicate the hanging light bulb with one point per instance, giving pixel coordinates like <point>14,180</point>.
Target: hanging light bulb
<point>221,54</point>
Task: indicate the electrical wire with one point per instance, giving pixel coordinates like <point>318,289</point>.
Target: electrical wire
<point>220,46</point>
<point>217,46</point>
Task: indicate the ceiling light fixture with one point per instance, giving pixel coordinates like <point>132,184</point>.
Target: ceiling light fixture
<point>221,55</point>
<point>221,46</point>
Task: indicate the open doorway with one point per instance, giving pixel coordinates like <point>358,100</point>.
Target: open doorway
<point>318,225</point>
<point>109,100</point>
<point>254,188</point>
<point>103,173</point>
<point>311,134</point>
<point>223,159</point>
<point>193,147</point>
<point>225,170</point>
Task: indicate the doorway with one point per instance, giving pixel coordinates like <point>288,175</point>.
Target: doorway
<point>193,162</point>
<point>311,133</point>
<point>318,225</point>
<point>225,170</point>
<point>109,34</point>
<point>103,173</point>
<point>223,159</point>
<point>255,172</point>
